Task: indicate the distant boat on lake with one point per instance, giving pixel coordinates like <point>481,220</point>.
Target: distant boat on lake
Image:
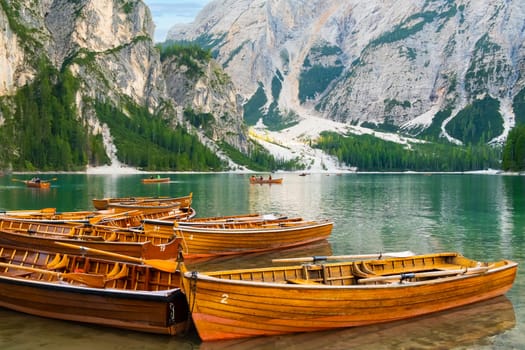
<point>261,180</point>
<point>152,180</point>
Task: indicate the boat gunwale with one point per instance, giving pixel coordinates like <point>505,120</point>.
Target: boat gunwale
<point>212,230</point>
<point>210,277</point>
<point>166,294</point>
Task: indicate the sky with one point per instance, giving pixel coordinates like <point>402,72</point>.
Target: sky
<point>166,13</point>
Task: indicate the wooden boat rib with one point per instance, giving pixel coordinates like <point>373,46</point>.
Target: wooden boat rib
<point>277,300</point>
<point>90,290</point>
<point>201,242</point>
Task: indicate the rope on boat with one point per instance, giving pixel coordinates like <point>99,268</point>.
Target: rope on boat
<point>191,297</point>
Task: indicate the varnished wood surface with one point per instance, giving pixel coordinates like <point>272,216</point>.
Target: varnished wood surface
<point>134,296</point>
<point>253,302</point>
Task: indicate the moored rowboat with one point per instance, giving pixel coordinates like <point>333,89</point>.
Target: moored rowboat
<point>106,203</point>
<point>122,241</point>
<point>133,242</point>
<point>212,239</point>
<point>85,289</point>
<point>276,300</point>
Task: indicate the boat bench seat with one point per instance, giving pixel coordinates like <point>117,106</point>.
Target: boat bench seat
<point>300,281</point>
<point>445,267</point>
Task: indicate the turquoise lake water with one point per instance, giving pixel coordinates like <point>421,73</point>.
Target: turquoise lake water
<point>481,216</point>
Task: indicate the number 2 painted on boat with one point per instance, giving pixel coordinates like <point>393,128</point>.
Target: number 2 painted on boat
<point>224,299</point>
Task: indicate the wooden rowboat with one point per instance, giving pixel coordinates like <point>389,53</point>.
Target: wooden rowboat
<point>79,288</point>
<point>167,227</point>
<point>154,180</point>
<point>104,203</point>
<point>320,296</point>
<point>38,184</point>
<point>127,241</point>
<point>124,242</point>
<point>255,180</point>
<point>199,242</point>
<point>110,217</point>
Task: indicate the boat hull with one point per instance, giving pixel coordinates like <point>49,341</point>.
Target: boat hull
<point>266,181</point>
<point>224,308</point>
<point>161,313</point>
<point>167,249</point>
<point>41,184</point>
<point>83,288</point>
<point>156,180</point>
<point>198,242</point>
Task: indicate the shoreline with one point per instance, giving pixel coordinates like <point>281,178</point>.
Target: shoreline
<point>132,171</point>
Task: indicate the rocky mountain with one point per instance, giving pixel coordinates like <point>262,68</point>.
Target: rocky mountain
<point>450,68</point>
<point>107,46</point>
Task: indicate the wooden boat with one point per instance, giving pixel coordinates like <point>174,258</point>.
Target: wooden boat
<point>199,242</point>
<point>81,288</point>
<point>320,296</point>
<point>121,241</point>
<point>258,180</point>
<point>110,217</point>
<point>105,203</point>
<point>128,241</point>
<point>153,180</point>
<point>167,227</point>
<point>38,184</point>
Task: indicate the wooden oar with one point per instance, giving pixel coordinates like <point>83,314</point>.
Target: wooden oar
<point>163,265</point>
<point>97,281</point>
<point>18,180</point>
<point>403,254</point>
<point>96,219</point>
<point>404,276</point>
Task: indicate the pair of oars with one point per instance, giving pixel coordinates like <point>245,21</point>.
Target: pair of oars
<point>42,180</point>
<point>429,274</point>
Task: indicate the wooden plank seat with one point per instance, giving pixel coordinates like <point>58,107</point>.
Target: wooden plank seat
<point>300,281</point>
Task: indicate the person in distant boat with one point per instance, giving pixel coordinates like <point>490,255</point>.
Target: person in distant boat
<point>270,177</point>
<point>35,179</point>
<point>261,178</point>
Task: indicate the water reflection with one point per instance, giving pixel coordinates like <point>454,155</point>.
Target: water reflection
<point>482,217</point>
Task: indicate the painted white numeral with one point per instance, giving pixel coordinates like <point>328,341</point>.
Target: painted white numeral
<point>224,299</point>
